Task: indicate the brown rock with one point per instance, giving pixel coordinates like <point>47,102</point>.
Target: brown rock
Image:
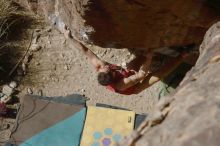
<point>131,23</point>
<point>194,116</point>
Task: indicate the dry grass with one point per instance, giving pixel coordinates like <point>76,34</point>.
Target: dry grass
<point>16,23</point>
<point>6,11</point>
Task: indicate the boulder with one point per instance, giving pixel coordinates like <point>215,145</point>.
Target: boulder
<point>138,24</point>
<point>194,111</point>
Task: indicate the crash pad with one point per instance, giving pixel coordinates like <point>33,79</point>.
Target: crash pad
<point>49,122</point>
<point>105,126</point>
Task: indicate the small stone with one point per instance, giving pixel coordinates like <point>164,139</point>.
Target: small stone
<point>66,67</point>
<point>37,30</point>
<point>64,42</point>
<point>104,53</point>
<point>49,29</point>
<point>54,67</point>
<point>27,58</point>
<point>44,78</point>
<point>112,56</point>
<point>13,84</point>
<point>40,92</point>
<point>29,91</point>
<point>23,68</point>
<point>62,55</point>
<point>70,60</point>
<point>5,99</point>
<point>37,63</point>
<point>35,47</point>
<point>35,40</point>
<point>55,79</point>
<point>7,90</point>
<point>83,90</point>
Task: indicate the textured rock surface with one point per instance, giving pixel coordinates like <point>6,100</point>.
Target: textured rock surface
<point>194,115</point>
<point>138,24</point>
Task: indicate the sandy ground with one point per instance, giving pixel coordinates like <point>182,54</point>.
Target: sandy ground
<point>58,69</point>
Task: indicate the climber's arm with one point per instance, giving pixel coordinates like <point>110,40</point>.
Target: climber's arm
<point>130,81</point>
<point>158,75</point>
<point>138,77</point>
<point>95,61</point>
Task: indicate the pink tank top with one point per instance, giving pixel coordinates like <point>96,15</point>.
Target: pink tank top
<point>120,73</point>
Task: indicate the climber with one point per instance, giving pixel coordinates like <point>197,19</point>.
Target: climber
<point>124,81</point>
<point>114,77</point>
<point>127,82</point>
<point>118,79</point>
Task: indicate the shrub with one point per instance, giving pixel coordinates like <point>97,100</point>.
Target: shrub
<point>7,9</point>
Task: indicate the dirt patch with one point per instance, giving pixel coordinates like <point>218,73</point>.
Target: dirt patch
<point>58,70</point>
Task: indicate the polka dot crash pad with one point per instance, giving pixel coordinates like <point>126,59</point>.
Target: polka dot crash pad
<point>106,127</point>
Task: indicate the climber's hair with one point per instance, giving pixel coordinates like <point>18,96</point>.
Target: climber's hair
<point>105,78</point>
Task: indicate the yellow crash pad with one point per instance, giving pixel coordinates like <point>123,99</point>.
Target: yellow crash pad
<point>105,126</point>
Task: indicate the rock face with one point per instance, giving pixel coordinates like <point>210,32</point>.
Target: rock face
<point>194,115</point>
<point>139,24</point>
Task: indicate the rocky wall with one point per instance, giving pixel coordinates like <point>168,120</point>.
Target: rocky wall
<point>191,117</point>
<point>138,24</point>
